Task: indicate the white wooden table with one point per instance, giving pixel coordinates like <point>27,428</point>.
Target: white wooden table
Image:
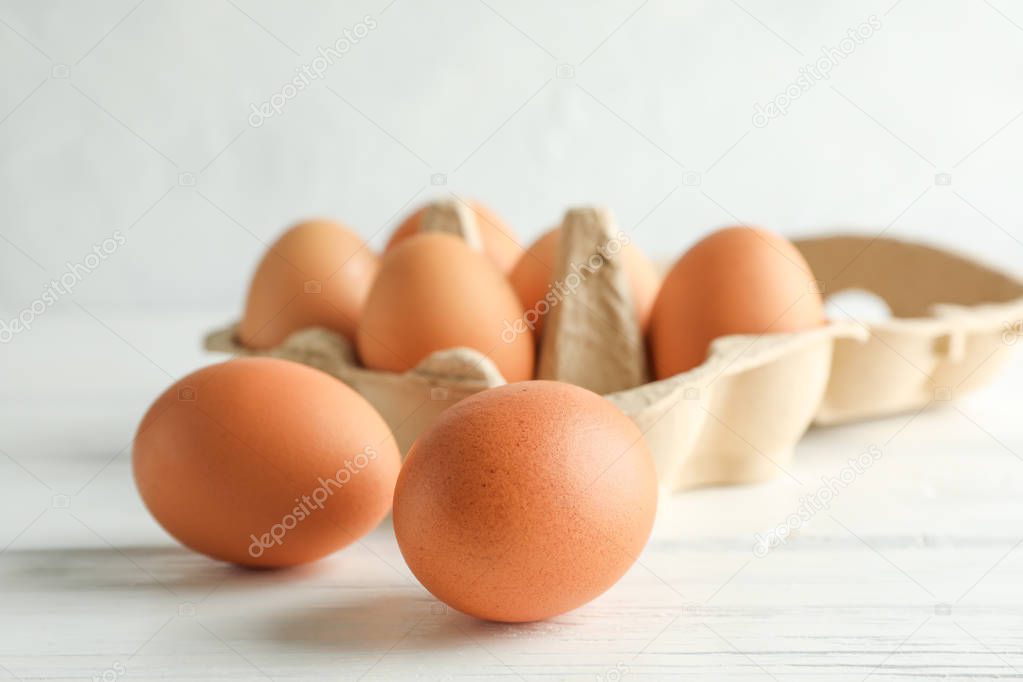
<point>913,573</point>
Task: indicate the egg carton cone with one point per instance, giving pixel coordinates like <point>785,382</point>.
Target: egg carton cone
<point>737,417</point>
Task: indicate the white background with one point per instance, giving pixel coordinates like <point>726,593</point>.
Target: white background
<point>469,89</point>
<point>108,111</point>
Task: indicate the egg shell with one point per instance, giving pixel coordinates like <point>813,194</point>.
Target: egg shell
<point>738,280</point>
<point>525,501</point>
<point>499,241</point>
<point>317,274</point>
<point>435,293</point>
<point>264,462</point>
<point>535,270</point>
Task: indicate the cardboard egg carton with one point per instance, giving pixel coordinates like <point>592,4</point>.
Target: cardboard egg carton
<point>737,417</point>
<point>953,324</point>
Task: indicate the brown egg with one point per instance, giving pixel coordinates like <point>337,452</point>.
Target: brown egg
<point>499,241</point>
<point>535,270</point>
<point>316,275</point>
<point>525,501</point>
<point>435,293</point>
<point>264,462</point>
<point>738,280</point>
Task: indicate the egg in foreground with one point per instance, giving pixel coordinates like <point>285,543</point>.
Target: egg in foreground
<point>317,274</point>
<point>738,280</point>
<point>264,463</point>
<point>525,501</point>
